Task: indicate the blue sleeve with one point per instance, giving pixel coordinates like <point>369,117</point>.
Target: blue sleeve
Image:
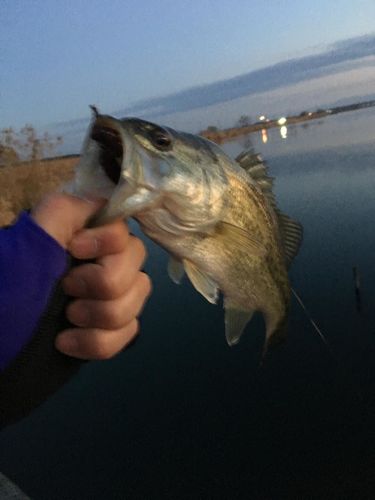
<point>31,263</point>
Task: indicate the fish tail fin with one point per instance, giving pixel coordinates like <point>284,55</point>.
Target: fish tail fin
<point>276,332</point>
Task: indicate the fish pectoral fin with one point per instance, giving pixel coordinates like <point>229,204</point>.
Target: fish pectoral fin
<point>201,282</point>
<point>235,323</point>
<point>239,238</point>
<point>175,270</point>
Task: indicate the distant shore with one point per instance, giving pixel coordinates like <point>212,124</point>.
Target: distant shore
<point>222,135</point>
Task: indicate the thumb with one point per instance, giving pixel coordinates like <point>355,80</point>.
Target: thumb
<point>62,215</point>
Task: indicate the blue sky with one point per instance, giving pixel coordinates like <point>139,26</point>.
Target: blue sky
<point>56,57</point>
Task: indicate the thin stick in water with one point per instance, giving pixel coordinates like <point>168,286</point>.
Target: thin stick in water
<point>357,289</point>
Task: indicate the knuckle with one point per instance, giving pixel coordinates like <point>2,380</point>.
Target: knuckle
<point>114,317</point>
<point>133,328</point>
<point>122,229</point>
<point>109,285</point>
<point>139,247</point>
<point>146,283</point>
<point>115,235</point>
<point>55,201</point>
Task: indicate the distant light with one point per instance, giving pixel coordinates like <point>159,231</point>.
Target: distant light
<point>282,120</point>
<point>262,118</point>
<point>284,132</point>
<point>264,135</point>
<point>309,113</point>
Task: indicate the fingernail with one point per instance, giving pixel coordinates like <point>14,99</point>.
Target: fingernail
<point>67,344</point>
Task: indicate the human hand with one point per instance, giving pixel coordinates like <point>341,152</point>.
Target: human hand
<point>110,291</point>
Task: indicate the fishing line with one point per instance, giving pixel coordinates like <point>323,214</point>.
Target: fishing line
<point>350,382</point>
<point>309,317</point>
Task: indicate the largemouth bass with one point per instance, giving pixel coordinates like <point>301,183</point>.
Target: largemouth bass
<point>216,217</point>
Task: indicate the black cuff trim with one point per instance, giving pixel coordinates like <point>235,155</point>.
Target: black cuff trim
<point>39,370</point>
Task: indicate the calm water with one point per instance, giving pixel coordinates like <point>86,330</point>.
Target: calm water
<point>182,416</point>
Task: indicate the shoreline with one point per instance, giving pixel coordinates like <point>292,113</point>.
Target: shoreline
<point>222,135</point>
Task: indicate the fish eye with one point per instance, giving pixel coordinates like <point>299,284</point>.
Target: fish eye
<point>161,140</point>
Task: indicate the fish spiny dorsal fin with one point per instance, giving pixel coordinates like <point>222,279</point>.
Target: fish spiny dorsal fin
<point>253,164</point>
<point>291,235</point>
<point>291,231</point>
<point>248,159</point>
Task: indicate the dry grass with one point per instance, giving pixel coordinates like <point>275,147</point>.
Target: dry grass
<point>21,186</point>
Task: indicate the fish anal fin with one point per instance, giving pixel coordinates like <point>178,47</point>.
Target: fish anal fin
<point>175,270</point>
<point>235,323</point>
<point>239,238</point>
<point>291,235</point>
<point>201,282</point>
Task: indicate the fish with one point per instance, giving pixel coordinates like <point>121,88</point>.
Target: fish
<point>217,217</point>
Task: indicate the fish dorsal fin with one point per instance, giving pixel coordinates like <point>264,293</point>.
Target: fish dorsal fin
<point>291,231</point>
<point>201,282</point>
<point>235,323</point>
<point>248,159</point>
<point>239,238</point>
<point>253,164</point>
<point>175,270</point>
<point>291,234</point>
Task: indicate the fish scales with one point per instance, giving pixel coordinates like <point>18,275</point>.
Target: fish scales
<point>216,217</point>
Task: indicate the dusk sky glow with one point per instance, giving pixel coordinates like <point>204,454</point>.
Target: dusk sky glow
<point>57,57</point>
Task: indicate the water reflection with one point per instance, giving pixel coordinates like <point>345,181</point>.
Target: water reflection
<point>334,131</point>
<point>284,132</point>
<point>180,415</point>
<point>264,135</point>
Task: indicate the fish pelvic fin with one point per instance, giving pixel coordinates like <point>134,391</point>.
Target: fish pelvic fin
<point>235,323</point>
<point>201,282</point>
<point>175,270</point>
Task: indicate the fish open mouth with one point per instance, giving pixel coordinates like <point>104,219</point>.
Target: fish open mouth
<point>111,148</point>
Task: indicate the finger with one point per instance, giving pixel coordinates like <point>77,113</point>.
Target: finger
<point>109,277</point>
<point>62,215</point>
<point>100,241</point>
<point>95,343</point>
<point>111,314</point>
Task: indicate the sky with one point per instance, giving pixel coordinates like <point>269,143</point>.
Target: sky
<point>57,57</point>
